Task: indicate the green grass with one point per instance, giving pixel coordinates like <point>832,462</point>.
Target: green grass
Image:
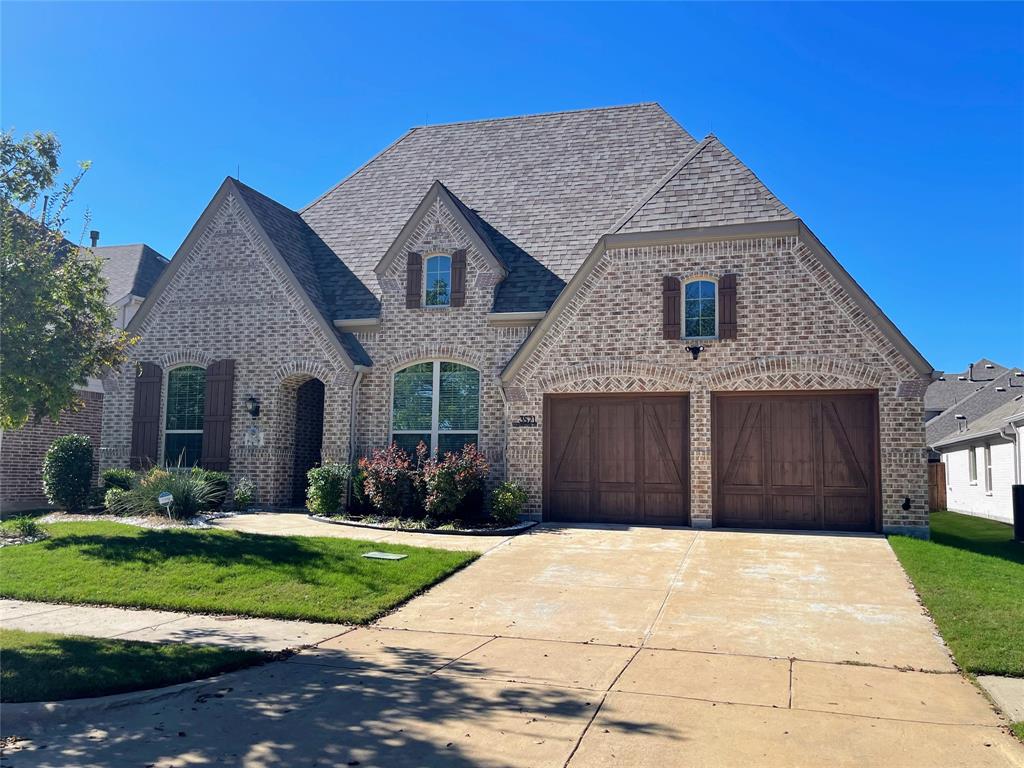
<point>1018,730</point>
<point>288,577</point>
<point>40,666</point>
<point>971,578</point>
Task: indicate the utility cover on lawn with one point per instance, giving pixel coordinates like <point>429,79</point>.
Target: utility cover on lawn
<point>384,555</point>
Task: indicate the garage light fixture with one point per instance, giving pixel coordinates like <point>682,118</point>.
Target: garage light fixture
<point>695,350</point>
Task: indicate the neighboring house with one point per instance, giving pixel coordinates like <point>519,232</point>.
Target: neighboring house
<point>950,388</point>
<point>130,272</point>
<point>625,320</point>
<point>983,461</point>
<point>961,414</point>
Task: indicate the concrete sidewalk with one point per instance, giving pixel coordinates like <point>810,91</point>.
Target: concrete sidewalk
<point>165,626</point>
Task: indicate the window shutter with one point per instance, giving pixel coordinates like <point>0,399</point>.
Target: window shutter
<point>220,387</point>
<point>413,280</point>
<point>670,307</point>
<point>727,307</point>
<point>146,416</point>
<point>458,297</point>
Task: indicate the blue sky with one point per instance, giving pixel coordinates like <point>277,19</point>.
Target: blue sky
<point>895,131</point>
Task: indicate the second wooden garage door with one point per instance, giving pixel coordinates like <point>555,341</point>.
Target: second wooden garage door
<point>797,460</point>
<point>617,459</point>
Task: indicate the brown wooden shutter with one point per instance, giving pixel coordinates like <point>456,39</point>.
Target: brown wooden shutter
<point>217,408</point>
<point>458,298</point>
<point>727,307</point>
<point>670,307</point>
<point>146,416</point>
<point>413,280</point>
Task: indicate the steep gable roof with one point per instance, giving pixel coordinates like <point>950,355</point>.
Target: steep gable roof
<point>129,269</point>
<point>549,185</point>
<point>1002,389</point>
<point>707,187</point>
<point>291,244</point>
<point>950,388</point>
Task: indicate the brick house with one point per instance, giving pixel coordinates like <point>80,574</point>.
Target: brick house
<point>625,320</point>
<point>130,271</point>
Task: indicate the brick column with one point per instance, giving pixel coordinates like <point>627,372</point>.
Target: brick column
<point>700,456</point>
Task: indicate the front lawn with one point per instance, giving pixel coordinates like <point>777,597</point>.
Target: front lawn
<point>288,577</point>
<point>971,578</point>
<point>40,666</point>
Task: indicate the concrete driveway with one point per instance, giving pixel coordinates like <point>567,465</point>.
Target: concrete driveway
<point>592,646</point>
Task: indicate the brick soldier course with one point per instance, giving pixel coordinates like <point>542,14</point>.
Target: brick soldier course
<point>569,224</point>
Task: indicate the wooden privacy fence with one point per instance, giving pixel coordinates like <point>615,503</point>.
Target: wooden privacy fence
<point>936,486</point>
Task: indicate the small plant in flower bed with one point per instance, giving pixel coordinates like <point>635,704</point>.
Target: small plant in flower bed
<point>21,528</point>
<point>507,502</point>
<point>245,493</point>
<point>325,494</point>
<point>193,492</point>
<point>117,477</point>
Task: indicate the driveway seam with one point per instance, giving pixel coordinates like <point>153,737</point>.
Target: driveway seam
<point>668,592</point>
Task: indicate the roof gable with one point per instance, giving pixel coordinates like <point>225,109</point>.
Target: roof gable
<point>707,187</point>
<point>468,219</point>
<point>1003,388</point>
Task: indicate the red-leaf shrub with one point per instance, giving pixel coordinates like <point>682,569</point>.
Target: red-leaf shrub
<point>388,480</point>
<point>454,484</point>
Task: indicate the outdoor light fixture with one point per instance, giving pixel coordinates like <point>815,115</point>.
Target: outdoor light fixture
<point>254,406</point>
<point>695,350</point>
<point>905,506</point>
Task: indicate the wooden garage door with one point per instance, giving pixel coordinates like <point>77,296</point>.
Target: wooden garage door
<point>796,460</point>
<point>617,459</point>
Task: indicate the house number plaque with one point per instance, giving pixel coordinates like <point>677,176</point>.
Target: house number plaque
<point>525,421</point>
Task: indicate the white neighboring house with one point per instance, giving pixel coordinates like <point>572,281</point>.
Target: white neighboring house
<point>983,460</point>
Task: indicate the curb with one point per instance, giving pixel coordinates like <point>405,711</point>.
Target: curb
<point>512,530</point>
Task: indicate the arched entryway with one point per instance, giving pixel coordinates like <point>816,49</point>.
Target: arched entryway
<point>309,435</point>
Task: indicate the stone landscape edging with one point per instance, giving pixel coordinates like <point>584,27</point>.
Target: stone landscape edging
<point>512,530</point>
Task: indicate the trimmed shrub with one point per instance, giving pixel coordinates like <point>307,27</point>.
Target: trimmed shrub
<point>507,502</point>
<point>245,493</point>
<point>67,472</point>
<point>325,494</point>
<point>219,483</point>
<point>454,484</point>
<point>116,477</point>
<point>389,481</point>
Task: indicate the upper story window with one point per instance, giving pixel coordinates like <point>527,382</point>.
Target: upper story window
<point>437,403</point>
<point>700,310</point>
<point>183,427</point>
<point>437,282</point>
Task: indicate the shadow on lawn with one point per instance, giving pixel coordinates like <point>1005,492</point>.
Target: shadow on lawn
<point>981,536</point>
<point>330,708</point>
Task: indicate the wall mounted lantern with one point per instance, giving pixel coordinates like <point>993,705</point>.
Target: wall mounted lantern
<point>695,350</point>
<point>253,406</point>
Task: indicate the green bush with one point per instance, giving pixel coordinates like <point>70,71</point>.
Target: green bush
<point>20,528</point>
<point>507,502</point>
<point>359,504</point>
<point>245,493</point>
<point>325,494</point>
<point>454,484</point>
<point>112,496</point>
<point>117,477</point>
<point>67,472</point>
<point>219,482</point>
<point>192,494</point>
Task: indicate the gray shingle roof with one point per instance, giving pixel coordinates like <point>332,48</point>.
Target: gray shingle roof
<point>130,269</point>
<point>951,388</point>
<point>993,395</point>
<point>711,187</point>
<point>990,422</point>
<point>323,277</point>
<point>547,185</point>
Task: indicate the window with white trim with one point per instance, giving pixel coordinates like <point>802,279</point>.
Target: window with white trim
<point>700,309</point>
<point>437,403</point>
<point>437,281</point>
<point>183,421</point>
<point>972,465</point>
<point>988,468</point>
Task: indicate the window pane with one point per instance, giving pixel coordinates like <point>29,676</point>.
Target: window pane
<point>408,443</point>
<point>692,327</point>
<point>706,327</point>
<point>413,395</point>
<point>439,280</point>
<point>693,290</point>
<point>459,406</point>
<point>706,307</point>
<point>185,394</point>
<point>449,443</point>
<point>183,448</point>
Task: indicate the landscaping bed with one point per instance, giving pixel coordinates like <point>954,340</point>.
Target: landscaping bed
<point>970,576</point>
<point>213,571</point>
<point>413,525</point>
<point>41,666</point>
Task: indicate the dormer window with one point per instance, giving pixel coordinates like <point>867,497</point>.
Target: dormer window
<point>700,309</point>
<point>437,282</point>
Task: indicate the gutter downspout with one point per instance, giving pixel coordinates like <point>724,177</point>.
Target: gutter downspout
<point>504,430</point>
<point>353,397</point>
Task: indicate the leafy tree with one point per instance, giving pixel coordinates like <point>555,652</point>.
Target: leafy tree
<point>56,329</point>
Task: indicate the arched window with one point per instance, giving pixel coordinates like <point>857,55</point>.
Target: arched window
<point>436,402</point>
<point>437,283</point>
<point>700,309</point>
<point>183,428</point>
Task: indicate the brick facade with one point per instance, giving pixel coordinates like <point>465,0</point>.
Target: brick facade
<point>22,451</point>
